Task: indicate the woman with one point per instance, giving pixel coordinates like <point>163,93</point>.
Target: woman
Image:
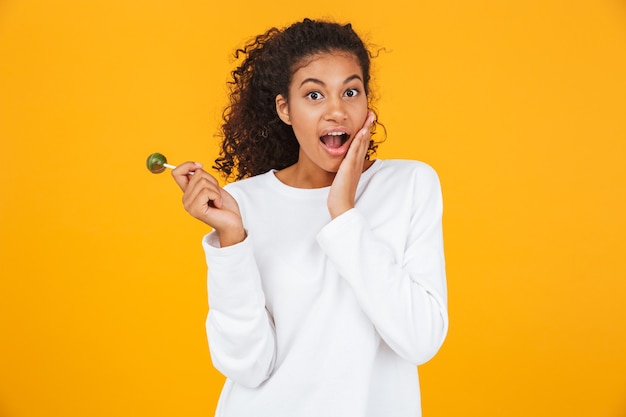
<point>326,268</point>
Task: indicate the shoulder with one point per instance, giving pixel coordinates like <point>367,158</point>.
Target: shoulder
<point>410,170</point>
<point>251,194</point>
<point>258,183</point>
<point>415,182</point>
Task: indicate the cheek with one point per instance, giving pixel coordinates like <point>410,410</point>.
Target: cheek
<point>303,121</point>
<point>304,130</point>
<point>360,113</point>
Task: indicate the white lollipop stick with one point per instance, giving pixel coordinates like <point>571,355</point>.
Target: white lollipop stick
<point>170,166</point>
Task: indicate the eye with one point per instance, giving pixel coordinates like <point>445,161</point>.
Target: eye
<point>352,92</point>
<point>314,95</point>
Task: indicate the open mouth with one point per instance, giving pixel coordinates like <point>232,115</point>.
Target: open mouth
<point>335,140</point>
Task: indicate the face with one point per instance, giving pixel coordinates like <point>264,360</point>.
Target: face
<point>327,106</point>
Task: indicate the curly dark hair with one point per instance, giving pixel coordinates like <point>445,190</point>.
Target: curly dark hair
<point>254,139</point>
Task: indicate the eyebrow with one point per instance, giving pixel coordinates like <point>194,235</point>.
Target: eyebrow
<point>320,82</point>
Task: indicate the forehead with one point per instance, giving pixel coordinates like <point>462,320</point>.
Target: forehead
<point>327,65</point>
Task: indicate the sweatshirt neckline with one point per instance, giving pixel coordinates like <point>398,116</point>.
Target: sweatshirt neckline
<point>316,192</point>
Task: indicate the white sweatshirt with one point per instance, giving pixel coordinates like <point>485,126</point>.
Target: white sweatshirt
<point>317,318</point>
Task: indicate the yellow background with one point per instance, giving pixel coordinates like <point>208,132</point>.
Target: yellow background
<point>519,105</point>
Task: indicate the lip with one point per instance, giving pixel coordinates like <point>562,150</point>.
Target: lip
<point>340,151</point>
<point>336,129</point>
<point>343,149</point>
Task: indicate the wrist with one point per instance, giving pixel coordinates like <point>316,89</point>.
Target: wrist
<point>338,211</point>
<point>231,236</point>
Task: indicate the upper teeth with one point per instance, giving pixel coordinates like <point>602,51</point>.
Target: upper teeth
<point>336,133</point>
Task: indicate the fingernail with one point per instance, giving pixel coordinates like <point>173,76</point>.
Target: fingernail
<point>198,164</point>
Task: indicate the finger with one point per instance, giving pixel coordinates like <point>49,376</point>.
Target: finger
<point>203,184</point>
<point>207,180</point>
<point>198,204</point>
<point>360,144</point>
<point>369,120</point>
<point>183,172</point>
<point>366,131</point>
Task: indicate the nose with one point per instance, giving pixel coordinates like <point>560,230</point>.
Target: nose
<point>335,110</point>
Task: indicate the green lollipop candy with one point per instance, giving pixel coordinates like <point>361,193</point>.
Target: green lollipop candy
<point>157,163</point>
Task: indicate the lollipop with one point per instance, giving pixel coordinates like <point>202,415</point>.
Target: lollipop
<point>157,163</point>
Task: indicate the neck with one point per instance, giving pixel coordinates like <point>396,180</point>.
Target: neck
<point>298,177</point>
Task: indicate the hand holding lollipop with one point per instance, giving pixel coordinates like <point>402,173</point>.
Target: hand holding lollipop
<point>204,198</point>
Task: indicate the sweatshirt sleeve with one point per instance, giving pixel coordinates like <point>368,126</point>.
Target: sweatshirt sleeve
<point>405,299</point>
<point>239,328</point>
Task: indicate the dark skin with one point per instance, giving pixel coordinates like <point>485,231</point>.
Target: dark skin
<point>338,101</point>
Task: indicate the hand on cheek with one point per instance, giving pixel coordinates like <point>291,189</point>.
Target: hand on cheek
<point>343,189</point>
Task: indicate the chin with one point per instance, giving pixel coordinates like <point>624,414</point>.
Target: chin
<point>332,167</point>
